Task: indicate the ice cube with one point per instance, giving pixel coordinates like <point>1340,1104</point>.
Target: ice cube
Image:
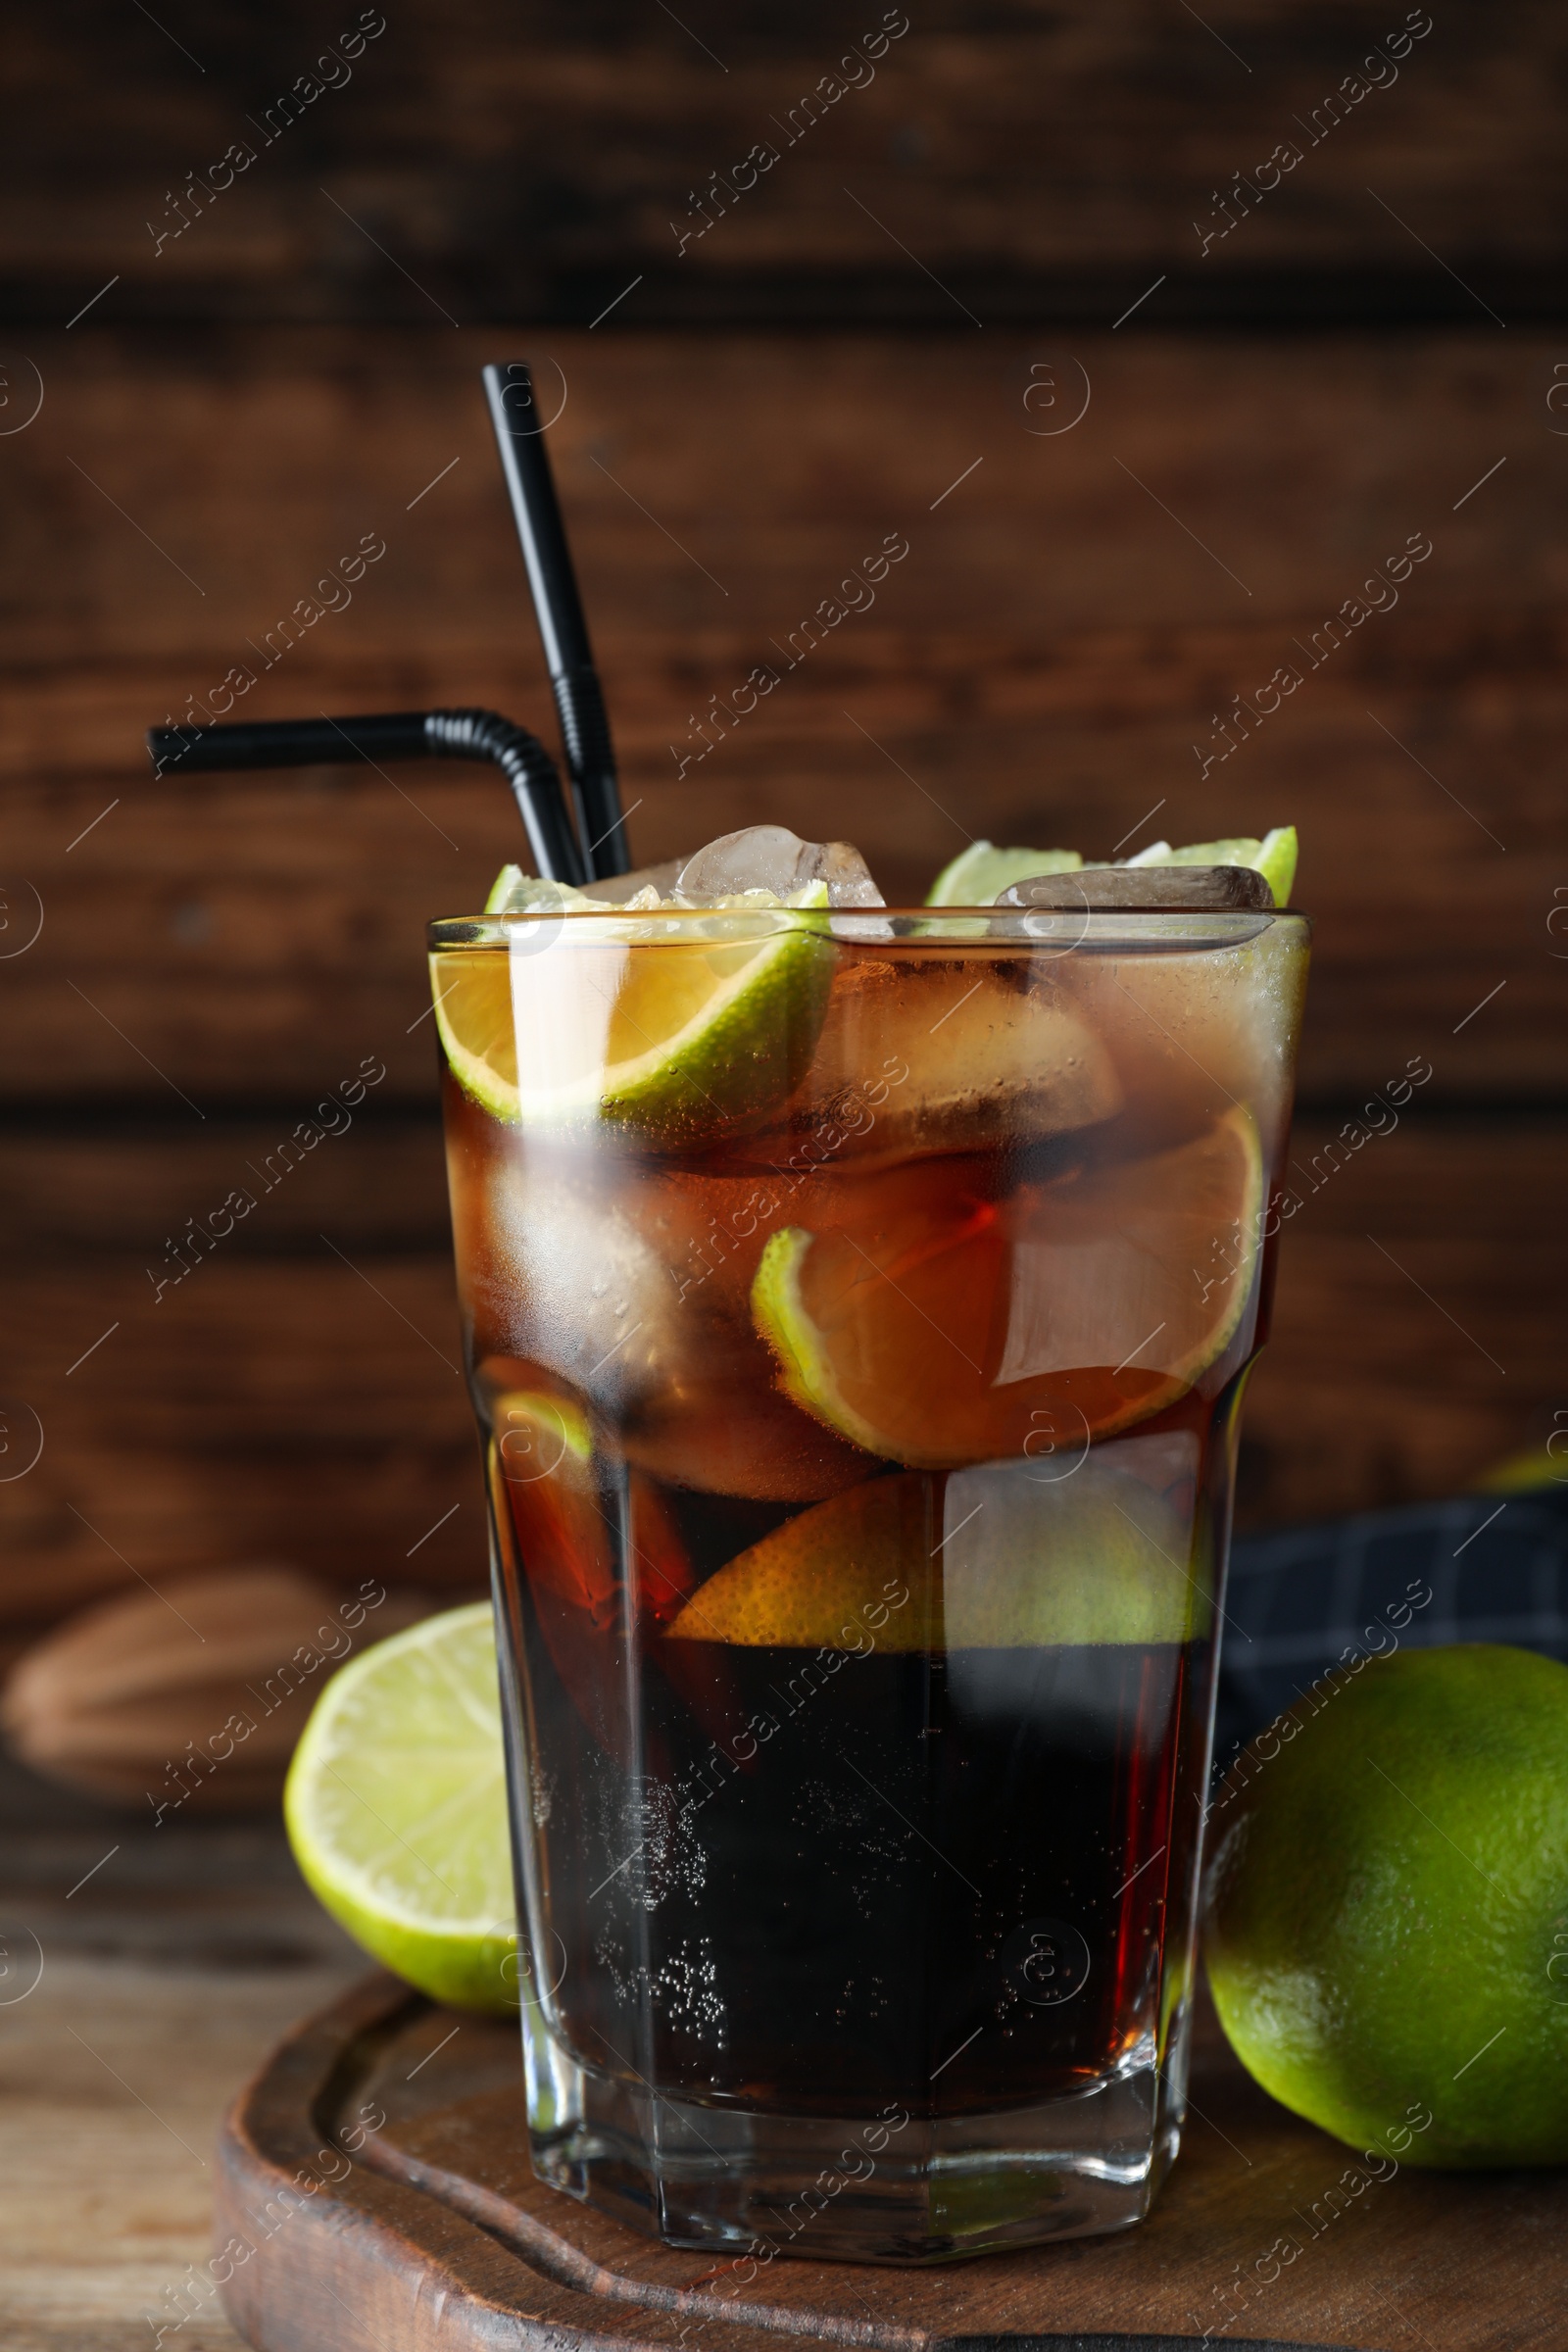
<point>616,890</point>
<point>771,858</point>
<point>946,1058</point>
<point>635,1290</point>
<point>1187,888</point>
<point>847,876</point>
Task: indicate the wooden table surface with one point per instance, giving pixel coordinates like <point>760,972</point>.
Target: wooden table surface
<point>173,1970</point>
<point>165,1980</point>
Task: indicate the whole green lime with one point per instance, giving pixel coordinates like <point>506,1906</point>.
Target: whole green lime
<point>1387,1907</point>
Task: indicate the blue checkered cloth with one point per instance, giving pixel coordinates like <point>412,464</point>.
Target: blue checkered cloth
<point>1477,1569</point>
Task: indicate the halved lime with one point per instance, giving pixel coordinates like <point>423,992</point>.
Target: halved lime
<point>979,874</point>
<point>682,1027</point>
<point>940,1328</point>
<point>1274,856</point>
<point>396,1810</point>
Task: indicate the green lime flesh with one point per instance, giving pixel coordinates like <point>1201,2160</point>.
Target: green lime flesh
<point>397,1814</point>
<point>979,874</point>
<point>534,1053</point>
<point>999,1557</point>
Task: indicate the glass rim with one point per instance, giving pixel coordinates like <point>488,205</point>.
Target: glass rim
<point>863,926</point>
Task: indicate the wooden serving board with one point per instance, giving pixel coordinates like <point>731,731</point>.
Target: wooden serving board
<point>376,2195</point>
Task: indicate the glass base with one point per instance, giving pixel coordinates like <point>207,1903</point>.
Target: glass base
<point>895,2189</point>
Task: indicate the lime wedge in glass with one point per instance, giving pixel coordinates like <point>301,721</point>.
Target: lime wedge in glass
<point>990,1558</point>
<point>1274,858</point>
<point>396,1810</point>
<point>979,874</point>
<point>693,1023</point>
<point>889,1332</point>
<point>513,892</point>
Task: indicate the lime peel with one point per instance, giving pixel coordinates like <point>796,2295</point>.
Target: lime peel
<point>805,1364</point>
<point>1385,1907</point>
<point>1249,1248</point>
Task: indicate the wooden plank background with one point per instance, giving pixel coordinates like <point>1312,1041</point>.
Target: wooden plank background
<point>1081,601</point>
<point>477,162</point>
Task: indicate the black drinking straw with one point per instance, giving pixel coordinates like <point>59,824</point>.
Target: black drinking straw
<point>579,696</point>
<point>396,735</point>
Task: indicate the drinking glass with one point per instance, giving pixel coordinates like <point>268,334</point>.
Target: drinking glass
<point>857,1308</point>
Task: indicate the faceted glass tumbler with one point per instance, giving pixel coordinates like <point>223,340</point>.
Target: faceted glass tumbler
<point>858,1309</point>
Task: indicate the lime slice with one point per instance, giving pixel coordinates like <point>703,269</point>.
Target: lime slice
<point>682,1028</point>
<point>1000,1557</point>
<point>395,1809</point>
<point>473,1014</point>
<point>540,1435</point>
<point>979,874</point>
<point>946,1329</point>
<point>513,892</point>
<point>1274,858</point>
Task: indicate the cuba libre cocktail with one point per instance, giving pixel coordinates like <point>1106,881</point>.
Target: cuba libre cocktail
<point>858,1310</point>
